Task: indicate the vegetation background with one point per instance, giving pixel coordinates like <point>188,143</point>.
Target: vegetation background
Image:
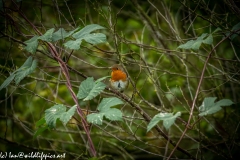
<point>144,37</point>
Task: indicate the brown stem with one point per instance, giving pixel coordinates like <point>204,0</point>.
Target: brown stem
<point>64,69</point>
<point>197,91</point>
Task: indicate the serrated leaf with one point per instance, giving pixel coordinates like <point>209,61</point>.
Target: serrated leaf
<point>106,103</point>
<point>47,36</point>
<point>90,89</point>
<point>195,44</point>
<point>211,110</point>
<point>73,44</point>
<point>60,34</point>
<point>207,103</point>
<point>208,40</point>
<point>85,88</point>
<point>7,81</point>
<point>113,114</point>
<point>53,113</point>
<point>66,116</point>
<point>86,30</point>
<point>95,38</point>
<point>31,44</point>
<point>187,45</point>
<point>105,110</point>
<point>202,37</point>
<point>95,118</point>
<point>39,131</point>
<point>27,68</point>
<point>96,90</point>
<point>168,120</point>
<point>210,107</point>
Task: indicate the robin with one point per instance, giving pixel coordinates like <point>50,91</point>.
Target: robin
<point>119,79</point>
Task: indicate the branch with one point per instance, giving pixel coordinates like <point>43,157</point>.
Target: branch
<point>197,92</point>
<point>64,68</point>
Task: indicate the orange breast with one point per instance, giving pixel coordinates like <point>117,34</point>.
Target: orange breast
<point>118,75</point>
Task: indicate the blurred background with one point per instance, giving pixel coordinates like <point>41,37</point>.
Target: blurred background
<point>142,36</point>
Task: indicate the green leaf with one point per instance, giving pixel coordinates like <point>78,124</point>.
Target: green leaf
<point>27,68</point>
<point>209,107</point>
<point>32,44</point>
<point>90,89</point>
<point>106,103</point>
<point>112,114</point>
<point>95,118</point>
<point>216,30</point>
<point>95,38</point>
<point>86,30</point>
<point>7,81</point>
<point>39,131</point>
<point>65,117</point>
<point>168,122</point>
<point>47,36</point>
<point>40,122</point>
<point>73,44</point>
<point>202,36</point>
<point>62,34</point>
<point>208,40</point>
<point>96,90</point>
<point>187,45</point>
<point>85,87</point>
<point>224,102</point>
<point>84,33</point>
<point>211,110</point>
<point>58,111</point>
<point>207,103</point>
<point>195,44</point>
<point>53,113</point>
<point>167,118</point>
<point>234,29</point>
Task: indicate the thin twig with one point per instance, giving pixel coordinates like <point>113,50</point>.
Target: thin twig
<point>197,91</point>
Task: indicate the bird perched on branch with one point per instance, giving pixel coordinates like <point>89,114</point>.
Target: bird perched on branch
<point>119,79</point>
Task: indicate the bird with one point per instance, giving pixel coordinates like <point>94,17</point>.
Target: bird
<point>119,78</point>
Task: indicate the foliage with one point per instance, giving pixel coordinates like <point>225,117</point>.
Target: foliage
<point>195,44</point>
<point>209,107</point>
<point>180,56</point>
<point>90,89</point>
<point>58,112</point>
<point>61,34</point>
<point>167,118</point>
<point>105,110</point>
<point>27,68</point>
